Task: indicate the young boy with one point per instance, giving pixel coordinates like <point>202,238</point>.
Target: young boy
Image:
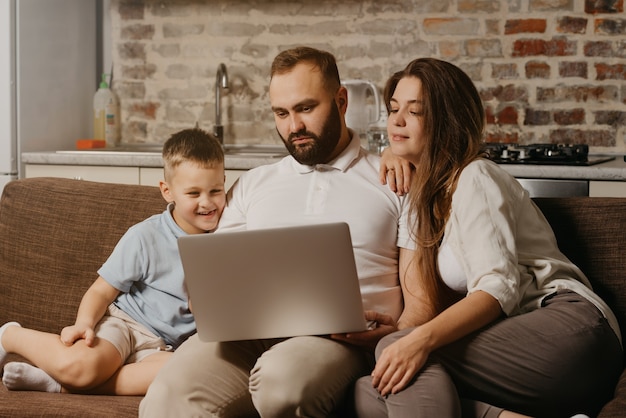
<point>137,311</point>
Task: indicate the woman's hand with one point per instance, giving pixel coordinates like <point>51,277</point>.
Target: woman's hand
<point>398,363</point>
<point>382,325</point>
<point>401,360</point>
<point>395,171</point>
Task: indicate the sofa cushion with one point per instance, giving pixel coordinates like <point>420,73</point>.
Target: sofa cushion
<point>616,408</point>
<point>25,404</point>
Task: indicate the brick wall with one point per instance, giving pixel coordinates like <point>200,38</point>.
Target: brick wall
<point>548,70</point>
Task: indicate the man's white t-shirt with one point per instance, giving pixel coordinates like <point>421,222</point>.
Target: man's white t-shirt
<point>345,190</point>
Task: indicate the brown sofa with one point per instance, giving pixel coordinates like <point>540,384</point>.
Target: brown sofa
<point>55,234</point>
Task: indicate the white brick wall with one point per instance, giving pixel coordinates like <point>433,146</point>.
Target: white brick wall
<point>166,53</point>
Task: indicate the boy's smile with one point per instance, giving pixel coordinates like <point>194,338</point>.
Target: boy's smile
<point>199,196</point>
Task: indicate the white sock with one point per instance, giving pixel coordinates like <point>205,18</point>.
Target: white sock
<point>23,376</point>
<point>3,353</point>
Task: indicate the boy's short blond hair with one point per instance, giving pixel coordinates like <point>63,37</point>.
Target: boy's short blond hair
<point>191,145</point>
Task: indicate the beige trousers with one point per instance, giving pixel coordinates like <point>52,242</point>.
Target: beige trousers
<point>295,377</point>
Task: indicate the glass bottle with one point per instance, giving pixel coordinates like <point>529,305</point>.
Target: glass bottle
<point>377,138</point>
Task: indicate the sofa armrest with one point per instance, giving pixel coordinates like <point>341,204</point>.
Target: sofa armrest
<point>616,408</point>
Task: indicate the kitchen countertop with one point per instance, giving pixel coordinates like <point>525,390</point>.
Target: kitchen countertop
<point>135,159</point>
<point>614,170</point>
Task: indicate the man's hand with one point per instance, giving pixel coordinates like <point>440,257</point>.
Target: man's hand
<point>384,324</point>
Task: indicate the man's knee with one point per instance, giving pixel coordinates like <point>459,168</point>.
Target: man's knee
<point>282,392</point>
<point>271,392</point>
<point>274,402</point>
<point>156,399</point>
<point>278,401</point>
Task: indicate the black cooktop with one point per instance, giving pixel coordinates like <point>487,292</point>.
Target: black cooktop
<point>543,154</point>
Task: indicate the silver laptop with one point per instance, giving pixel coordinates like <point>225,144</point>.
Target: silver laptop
<point>272,283</point>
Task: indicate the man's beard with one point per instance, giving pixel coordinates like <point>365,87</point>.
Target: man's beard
<point>322,146</point>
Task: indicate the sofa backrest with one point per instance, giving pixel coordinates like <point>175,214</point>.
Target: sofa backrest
<point>54,235</point>
<point>591,232</point>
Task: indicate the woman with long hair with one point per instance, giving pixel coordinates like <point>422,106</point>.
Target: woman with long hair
<point>494,312</point>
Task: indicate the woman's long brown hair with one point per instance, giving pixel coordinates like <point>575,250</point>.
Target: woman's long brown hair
<point>453,122</point>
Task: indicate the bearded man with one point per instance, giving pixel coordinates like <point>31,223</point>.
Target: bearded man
<point>328,177</point>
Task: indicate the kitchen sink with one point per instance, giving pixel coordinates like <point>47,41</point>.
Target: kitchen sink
<point>234,150</point>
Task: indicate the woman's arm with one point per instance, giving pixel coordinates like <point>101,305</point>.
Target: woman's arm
<point>417,308</point>
<point>400,361</point>
<point>414,311</point>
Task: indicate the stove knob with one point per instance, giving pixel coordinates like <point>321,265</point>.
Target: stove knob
<point>505,154</point>
<point>522,154</point>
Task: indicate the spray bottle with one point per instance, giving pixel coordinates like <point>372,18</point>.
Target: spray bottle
<point>106,114</point>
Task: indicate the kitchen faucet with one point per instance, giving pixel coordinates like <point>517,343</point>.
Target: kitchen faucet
<point>221,82</point>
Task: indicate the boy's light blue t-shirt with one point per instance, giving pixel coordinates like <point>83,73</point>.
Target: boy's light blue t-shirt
<point>145,266</point>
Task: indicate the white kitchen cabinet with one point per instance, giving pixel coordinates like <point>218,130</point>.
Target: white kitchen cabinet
<point>607,188</point>
<point>149,176</point>
<point>122,175</point>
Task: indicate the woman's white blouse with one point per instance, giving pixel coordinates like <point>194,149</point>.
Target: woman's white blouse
<point>505,245</point>
<point>451,270</point>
